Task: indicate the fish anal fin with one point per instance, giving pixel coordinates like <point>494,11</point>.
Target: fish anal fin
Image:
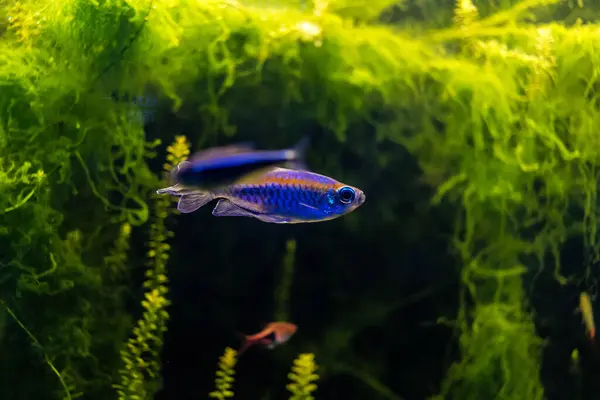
<point>270,345</point>
<point>274,219</point>
<point>226,208</point>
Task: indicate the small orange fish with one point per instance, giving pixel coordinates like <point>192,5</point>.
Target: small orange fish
<point>274,334</point>
<point>587,313</point>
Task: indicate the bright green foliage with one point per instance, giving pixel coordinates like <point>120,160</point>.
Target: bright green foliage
<point>303,377</point>
<point>18,185</point>
<point>282,292</point>
<point>72,171</point>
<point>501,113</point>
<point>500,337</point>
<point>225,375</point>
<point>117,258</point>
<point>517,164</point>
<point>140,377</point>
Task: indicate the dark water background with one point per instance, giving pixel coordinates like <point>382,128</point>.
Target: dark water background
<point>383,274</point>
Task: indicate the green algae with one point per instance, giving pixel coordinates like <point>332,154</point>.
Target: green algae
<point>503,117</point>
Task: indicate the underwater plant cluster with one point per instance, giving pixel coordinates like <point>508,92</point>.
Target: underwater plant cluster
<point>472,125</point>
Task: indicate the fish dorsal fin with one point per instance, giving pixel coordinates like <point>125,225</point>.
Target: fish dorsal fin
<point>183,164</point>
<point>222,151</point>
<point>255,177</point>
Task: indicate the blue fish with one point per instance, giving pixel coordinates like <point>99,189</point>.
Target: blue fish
<point>280,196</point>
<point>221,166</point>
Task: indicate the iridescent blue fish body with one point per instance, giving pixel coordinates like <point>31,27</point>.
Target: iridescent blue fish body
<point>279,195</point>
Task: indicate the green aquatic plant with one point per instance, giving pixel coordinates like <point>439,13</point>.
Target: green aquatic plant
<point>35,342</point>
<point>282,292</point>
<point>499,111</point>
<point>71,173</point>
<point>140,376</point>
<point>18,185</point>
<point>225,376</point>
<point>303,377</point>
<point>526,160</point>
<point>117,257</point>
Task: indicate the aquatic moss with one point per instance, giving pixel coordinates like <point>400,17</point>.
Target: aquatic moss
<point>225,375</point>
<point>526,160</point>
<point>53,278</point>
<point>117,257</point>
<point>502,115</point>
<point>18,185</point>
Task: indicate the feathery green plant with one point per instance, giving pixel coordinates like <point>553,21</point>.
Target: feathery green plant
<point>140,377</point>
<point>303,377</point>
<point>225,376</point>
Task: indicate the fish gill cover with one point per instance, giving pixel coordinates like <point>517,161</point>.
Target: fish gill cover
<point>498,107</point>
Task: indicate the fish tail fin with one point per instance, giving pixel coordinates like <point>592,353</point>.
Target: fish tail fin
<point>302,146</point>
<point>245,343</point>
<point>299,160</point>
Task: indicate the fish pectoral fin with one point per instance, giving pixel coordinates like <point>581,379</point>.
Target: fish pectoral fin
<point>273,219</point>
<point>308,206</point>
<point>180,190</point>
<point>226,208</point>
<point>175,190</point>
<point>192,201</point>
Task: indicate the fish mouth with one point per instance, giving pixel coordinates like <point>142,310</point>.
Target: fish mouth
<point>362,198</point>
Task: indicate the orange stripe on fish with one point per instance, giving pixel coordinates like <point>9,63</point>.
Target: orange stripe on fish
<point>281,177</point>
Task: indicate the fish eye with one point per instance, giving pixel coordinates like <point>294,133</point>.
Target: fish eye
<point>347,195</point>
